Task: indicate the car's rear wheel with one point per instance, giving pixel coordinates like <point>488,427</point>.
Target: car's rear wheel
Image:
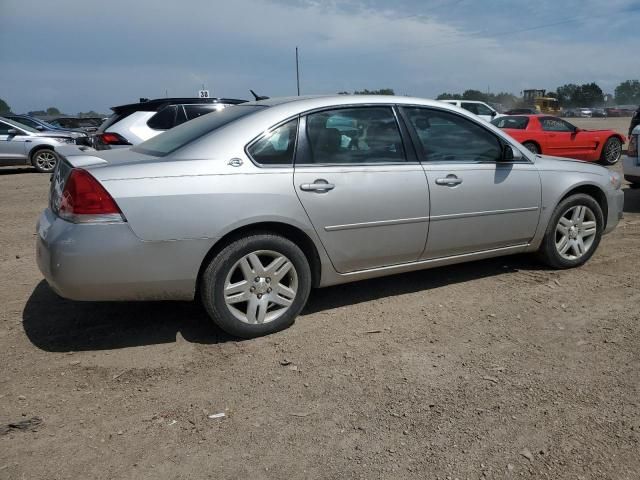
<point>573,233</point>
<point>611,152</point>
<point>256,285</point>
<point>532,147</point>
<point>44,160</point>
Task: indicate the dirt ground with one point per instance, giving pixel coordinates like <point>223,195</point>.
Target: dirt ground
<point>494,369</point>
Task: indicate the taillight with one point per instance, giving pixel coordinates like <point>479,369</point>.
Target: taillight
<point>111,138</point>
<point>84,200</point>
<point>632,149</point>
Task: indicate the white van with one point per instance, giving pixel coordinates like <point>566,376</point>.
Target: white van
<point>481,109</point>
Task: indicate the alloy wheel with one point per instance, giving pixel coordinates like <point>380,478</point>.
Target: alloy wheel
<point>260,287</point>
<point>46,160</point>
<point>575,232</point>
<point>613,150</point>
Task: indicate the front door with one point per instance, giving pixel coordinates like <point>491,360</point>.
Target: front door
<point>12,145</point>
<point>478,202</point>
<point>565,140</point>
<point>367,200</point>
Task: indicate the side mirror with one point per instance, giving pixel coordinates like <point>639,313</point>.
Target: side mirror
<point>510,154</point>
<point>577,130</point>
<point>40,128</point>
<point>12,132</point>
<point>494,113</point>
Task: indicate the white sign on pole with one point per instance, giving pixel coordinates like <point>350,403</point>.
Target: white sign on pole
<point>203,93</point>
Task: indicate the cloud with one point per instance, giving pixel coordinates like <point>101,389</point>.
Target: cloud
<point>81,55</point>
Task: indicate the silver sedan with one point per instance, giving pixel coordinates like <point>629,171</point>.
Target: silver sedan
<point>251,207</point>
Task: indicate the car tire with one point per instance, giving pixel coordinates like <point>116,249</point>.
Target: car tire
<point>256,285</point>
<point>573,233</point>
<point>44,160</point>
<point>611,152</point>
<point>532,147</point>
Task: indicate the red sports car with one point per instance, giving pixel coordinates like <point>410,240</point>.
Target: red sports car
<point>553,136</point>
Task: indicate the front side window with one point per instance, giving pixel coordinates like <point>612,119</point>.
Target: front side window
<point>4,128</point>
<point>472,107</point>
<point>354,136</point>
<point>446,137</point>
<point>483,109</point>
<point>551,124</point>
<point>277,146</point>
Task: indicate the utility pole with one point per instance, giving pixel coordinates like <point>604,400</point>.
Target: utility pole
<point>297,72</point>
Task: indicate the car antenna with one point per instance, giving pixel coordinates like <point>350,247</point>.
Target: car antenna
<point>258,97</point>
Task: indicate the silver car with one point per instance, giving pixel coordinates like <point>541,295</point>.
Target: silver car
<point>253,206</point>
<point>24,145</point>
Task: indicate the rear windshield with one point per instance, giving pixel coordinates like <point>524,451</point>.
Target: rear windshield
<point>516,123</point>
<point>178,137</point>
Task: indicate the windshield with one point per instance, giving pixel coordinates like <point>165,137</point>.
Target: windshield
<point>24,127</point>
<point>178,137</point>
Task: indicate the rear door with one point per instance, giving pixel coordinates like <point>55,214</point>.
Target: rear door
<point>12,146</point>
<point>478,202</point>
<point>364,192</point>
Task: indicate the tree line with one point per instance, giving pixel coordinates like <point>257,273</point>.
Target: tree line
<point>568,95</point>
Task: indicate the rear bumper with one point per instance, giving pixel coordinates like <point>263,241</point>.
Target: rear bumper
<point>108,262</point>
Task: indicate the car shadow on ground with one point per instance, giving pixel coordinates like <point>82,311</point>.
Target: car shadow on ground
<point>632,200</point>
<point>17,170</point>
<point>54,324</point>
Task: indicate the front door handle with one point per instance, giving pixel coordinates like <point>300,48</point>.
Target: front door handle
<point>449,181</point>
<point>319,185</point>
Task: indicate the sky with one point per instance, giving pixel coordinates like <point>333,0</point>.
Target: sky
<point>80,55</point>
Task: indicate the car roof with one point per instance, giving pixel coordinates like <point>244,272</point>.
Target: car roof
<point>311,102</point>
<point>157,103</point>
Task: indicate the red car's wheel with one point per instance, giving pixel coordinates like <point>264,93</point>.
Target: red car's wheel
<point>532,147</point>
<point>611,152</point>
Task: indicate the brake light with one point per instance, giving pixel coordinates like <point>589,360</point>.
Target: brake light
<point>84,199</point>
<point>111,138</point>
<point>632,149</point>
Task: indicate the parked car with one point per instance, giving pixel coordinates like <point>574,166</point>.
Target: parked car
<point>521,111</point>
<point>631,161</point>
<point>584,112</point>
<point>555,136</point>
<point>598,113</point>
<point>251,207</point>
<point>87,124</point>
<point>481,109</point>
<point>136,122</point>
<point>41,125</point>
<point>23,145</point>
<point>635,120</point>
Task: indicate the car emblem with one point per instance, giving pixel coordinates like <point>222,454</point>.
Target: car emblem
<point>235,162</point>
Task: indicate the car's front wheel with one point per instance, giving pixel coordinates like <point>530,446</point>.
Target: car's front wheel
<point>44,160</point>
<point>611,152</point>
<point>256,285</point>
<point>573,233</point>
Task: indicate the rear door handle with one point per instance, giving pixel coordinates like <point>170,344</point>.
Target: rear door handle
<point>449,181</point>
<point>319,185</point>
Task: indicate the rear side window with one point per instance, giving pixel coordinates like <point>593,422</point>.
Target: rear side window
<point>188,132</point>
<point>446,137</point>
<point>516,123</point>
<point>472,107</point>
<point>354,136</point>
<point>164,119</point>
<point>277,146</point>
<point>195,111</point>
